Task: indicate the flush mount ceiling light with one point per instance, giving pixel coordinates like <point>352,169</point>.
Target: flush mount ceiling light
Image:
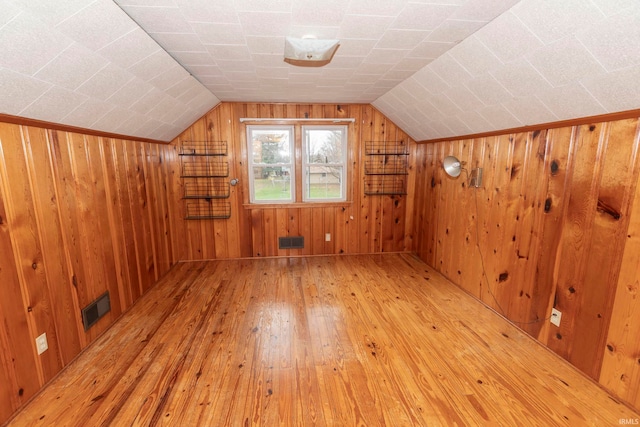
<point>309,51</point>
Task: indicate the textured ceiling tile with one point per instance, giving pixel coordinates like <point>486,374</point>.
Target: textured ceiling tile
<point>7,13</point>
<point>318,31</point>
<point>97,25</point>
<point>159,19</point>
<point>551,20</point>
<point>444,105</point>
<point>482,10</point>
<point>529,110</point>
<point>87,113</point>
<point>411,64</point>
<point>520,78</point>
<point>193,58</point>
<point>179,42</point>
<point>564,61</point>
<point>343,62</point>
<point>613,7</point>
<point>221,52</point>
<point>169,77</point>
<point>219,33</point>
<point>385,56</point>
<point>463,98</point>
<point>474,121</point>
<point>508,38</point>
<point>18,91</point>
<point>130,93</point>
<point>475,57</point>
<point>205,70</point>
<point>261,5</point>
<point>488,90</point>
<point>25,33</point>
<point>74,66</point>
<point>112,119</point>
<point>616,91</point>
<point>615,42</point>
<point>430,50</point>
<point>363,27</point>
<point>499,117</point>
<point>313,12</point>
<point>375,7</point>
<point>49,12</point>
<point>430,80</point>
<point>267,60</point>
<point>457,125</point>
<point>570,101</point>
<point>401,39</point>
<point>207,10</point>
<point>264,23</point>
<point>454,30</point>
<point>105,82</point>
<point>130,48</point>
<point>450,70</point>
<point>268,45</point>
<point>397,74</point>
<point>355,47</point>
<point>269,72</point>
<point>230,67</point>
<point>152,66</point>
<point>417,16</point>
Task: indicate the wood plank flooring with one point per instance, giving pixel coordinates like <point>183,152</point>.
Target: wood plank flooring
<point>336,341</point>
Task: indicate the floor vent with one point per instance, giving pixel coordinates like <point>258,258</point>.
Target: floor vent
<point>94,311</point>
<point>296,242</point>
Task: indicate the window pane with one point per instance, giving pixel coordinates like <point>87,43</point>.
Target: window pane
<point>272,183</point>
<point>271,146</point>
<point>324,182</point>
<point>325,146</point>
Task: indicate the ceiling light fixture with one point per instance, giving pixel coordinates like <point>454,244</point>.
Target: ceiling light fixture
<point>309,51</point>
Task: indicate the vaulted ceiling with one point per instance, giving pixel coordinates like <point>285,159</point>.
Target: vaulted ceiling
<point>438,68</point>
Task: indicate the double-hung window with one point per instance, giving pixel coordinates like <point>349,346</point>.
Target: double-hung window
<point>274,175</point>
<point>324,163</point>
<point>271,164</point>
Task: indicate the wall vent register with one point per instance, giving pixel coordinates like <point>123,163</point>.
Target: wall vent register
<point>96,310</point>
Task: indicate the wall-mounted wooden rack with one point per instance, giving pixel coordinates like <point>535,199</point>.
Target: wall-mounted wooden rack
<point>385,167</point>
<point>204,166</point>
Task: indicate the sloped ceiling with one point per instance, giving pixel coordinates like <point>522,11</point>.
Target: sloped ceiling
<point>87,64</point>
<point>438,68</point>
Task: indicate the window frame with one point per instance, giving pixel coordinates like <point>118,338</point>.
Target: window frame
<point>306,165</point>
<point>292,164</point>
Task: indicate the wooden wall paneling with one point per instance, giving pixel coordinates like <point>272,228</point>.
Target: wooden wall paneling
<point>365,211</point>
<point>306,230</point>
<point>531,165</point>
<point>270,232</point>
<point>576,234</point>
<point>557,179</point>
<point>18,354</point>
<point>620,371</point>
<point>27,250</point>
<point>281,230</point>
<point>317,231</point>
<point>180,241</point>
<point>116,227</point>
<point>236,227</point>
<point>101,259</point>
<point>609,228</point>
<point>162,217</point>
<point>329,220</point>
<point>257,233</point>
<point>128,221</point>
<point>356,180</point>
<point>8,398</point>
<point>57,269</point>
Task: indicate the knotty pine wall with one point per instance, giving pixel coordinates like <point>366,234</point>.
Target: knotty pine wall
<point>79,215</point>
<point>367,224</point>
<point>558,219</point>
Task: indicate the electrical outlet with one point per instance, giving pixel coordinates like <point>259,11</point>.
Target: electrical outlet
<point>41,343</point>
<point>327,237</point>
<point>556,316</point>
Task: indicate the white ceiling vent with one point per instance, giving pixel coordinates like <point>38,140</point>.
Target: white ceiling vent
<point>309,51</point>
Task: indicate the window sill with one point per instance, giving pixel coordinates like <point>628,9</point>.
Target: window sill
<point>299,205</point>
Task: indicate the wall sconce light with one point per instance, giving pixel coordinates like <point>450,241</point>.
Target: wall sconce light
<point>453,167</point>
<point>309,51</point>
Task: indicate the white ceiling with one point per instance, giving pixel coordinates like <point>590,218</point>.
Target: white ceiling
<point>436,67</point>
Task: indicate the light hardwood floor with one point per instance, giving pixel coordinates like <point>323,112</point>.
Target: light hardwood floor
<point>338,341</point>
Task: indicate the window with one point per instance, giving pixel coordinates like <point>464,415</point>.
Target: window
<point>271,169</point>
<point>274,176</point>
<point>324,161</point>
